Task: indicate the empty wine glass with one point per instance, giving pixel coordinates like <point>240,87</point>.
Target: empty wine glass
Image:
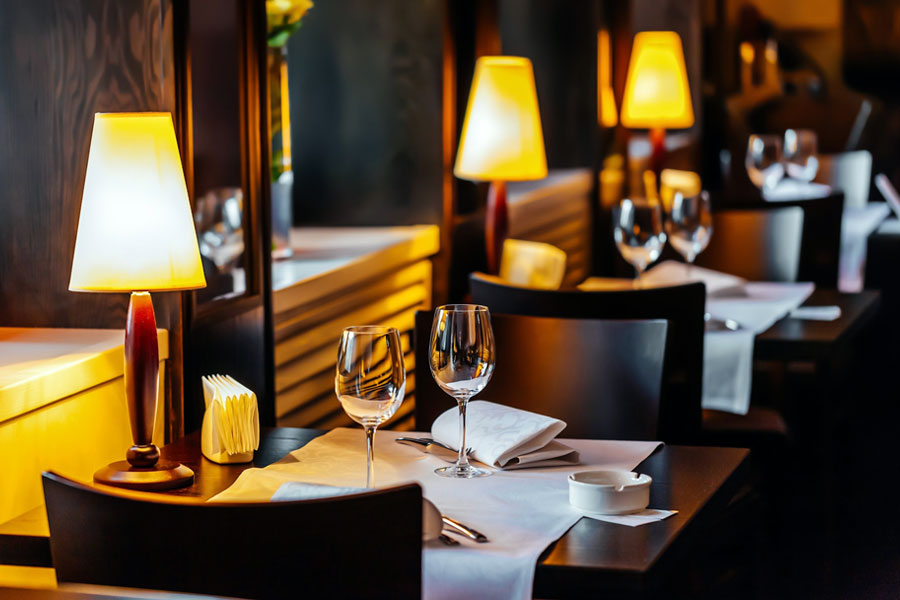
<point>689,225</point>
<point>462,362</point>
<point>800,154</point>
<point>370,381</point>
<point>763,161</point>
<point>638,231</point>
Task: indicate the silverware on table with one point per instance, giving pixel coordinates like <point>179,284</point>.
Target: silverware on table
<point>448,540</point>
<point>457,527</point>
<point>430,446</point>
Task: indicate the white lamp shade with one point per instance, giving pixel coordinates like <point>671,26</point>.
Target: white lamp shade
<point>501,137</point>
<point>136,230</point>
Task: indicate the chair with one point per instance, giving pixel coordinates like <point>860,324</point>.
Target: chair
<point>850,172</point>
<point>364,545</point>
<point>759,245</point>
<point>682,306</point>
<point>533,264</point>
<point>759,240</point>
<point>601,377</point>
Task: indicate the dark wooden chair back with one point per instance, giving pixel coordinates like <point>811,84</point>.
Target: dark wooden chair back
<point>758,240</point>
<point>364,545</point>
<point>601,377</point>
<point>680,413</point>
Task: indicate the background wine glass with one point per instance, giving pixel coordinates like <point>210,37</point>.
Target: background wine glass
<point>462,362</point>
<point>801,154</point>
<point>764,161</point>
<point>370,381</point>
<point>689,225</point>
<point>638,231</point>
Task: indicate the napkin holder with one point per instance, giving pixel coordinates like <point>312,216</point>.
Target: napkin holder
<point>211,444</point>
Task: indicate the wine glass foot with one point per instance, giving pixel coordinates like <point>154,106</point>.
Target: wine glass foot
<point>462,472</point>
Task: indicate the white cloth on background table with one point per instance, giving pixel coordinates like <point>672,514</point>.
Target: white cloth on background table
<point>672,272</point>
<point>857,225</point>
<point>789,190</point>
<point>728,355</point>
<point>520,511</point>
<point>505,437</point>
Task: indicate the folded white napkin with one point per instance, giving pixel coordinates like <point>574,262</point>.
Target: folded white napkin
<point>672,272</point>
<point>230,429</point>
<point>648,515</point>
<point>505,437</point>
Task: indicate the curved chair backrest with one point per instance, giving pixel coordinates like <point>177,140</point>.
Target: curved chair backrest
<point>601,377</point>
<point>758,245</point>
<point>680,413</point>
<point>850,172</point>
<point>533,264</point>
<point>359,546</point>
<point>757,239</point>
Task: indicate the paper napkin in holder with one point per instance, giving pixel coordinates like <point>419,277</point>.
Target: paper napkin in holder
<point>505,437</point>
<point>230,431</point>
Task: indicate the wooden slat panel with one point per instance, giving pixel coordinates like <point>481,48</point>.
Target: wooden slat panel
<point>329,332</point>
<point>364,291</point>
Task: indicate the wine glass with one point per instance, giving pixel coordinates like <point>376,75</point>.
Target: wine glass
<point>638,231</point>
<point>800,150</point>
<point>689,225</point>
<point>370,381</point>
<point>462,362</point>
<point>763,161</point>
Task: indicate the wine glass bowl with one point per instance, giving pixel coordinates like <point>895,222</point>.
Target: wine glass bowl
<point>638,232</point>
<point>689,225</point>
<point>764,161</point>
<point>370,380</point>
<point>461,358</point>
<point>801,154</point>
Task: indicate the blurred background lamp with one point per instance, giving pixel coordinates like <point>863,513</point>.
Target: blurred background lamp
<point>657,96</point>
<point>501,139</point>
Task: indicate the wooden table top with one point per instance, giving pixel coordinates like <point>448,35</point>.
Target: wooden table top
<point>696,481</point>
<point>803,339</point>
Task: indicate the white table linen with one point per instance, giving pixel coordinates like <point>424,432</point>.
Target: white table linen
<point>788,190</point>
<point>728,355</point>
<point>857,225</point>
<point>520,511</point>
<point>505,437</point>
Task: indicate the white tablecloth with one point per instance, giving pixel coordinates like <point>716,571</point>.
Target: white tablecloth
<point>857,225</point>
<point>728,355</point>
<point>521,512</point>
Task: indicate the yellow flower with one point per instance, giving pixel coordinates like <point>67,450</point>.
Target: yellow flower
<point>286,12</point>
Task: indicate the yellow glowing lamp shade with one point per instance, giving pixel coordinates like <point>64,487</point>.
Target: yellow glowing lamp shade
<point>656,88</point>
<point>136,231</point>
<point>501,136</point>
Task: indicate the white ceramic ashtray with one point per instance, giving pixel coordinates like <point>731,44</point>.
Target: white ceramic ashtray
<point>609,492</point>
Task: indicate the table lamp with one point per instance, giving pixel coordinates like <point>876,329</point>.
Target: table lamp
<point>501,139</point>
<point>657,96</point>
<point>136,234</point>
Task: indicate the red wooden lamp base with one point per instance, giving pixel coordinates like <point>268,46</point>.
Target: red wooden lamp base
<point>143,470</point>
<point>496,225</point>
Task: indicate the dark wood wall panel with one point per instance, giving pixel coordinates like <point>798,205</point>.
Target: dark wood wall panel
<point>365,85</point>
<point>60,62</point>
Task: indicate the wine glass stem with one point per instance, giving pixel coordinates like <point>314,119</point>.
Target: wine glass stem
<point>637,280</point>
<point>370,456</point>
<point>462,460</point>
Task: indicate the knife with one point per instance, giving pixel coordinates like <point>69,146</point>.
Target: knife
<point>464,529</point>
<point>430,446</point>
